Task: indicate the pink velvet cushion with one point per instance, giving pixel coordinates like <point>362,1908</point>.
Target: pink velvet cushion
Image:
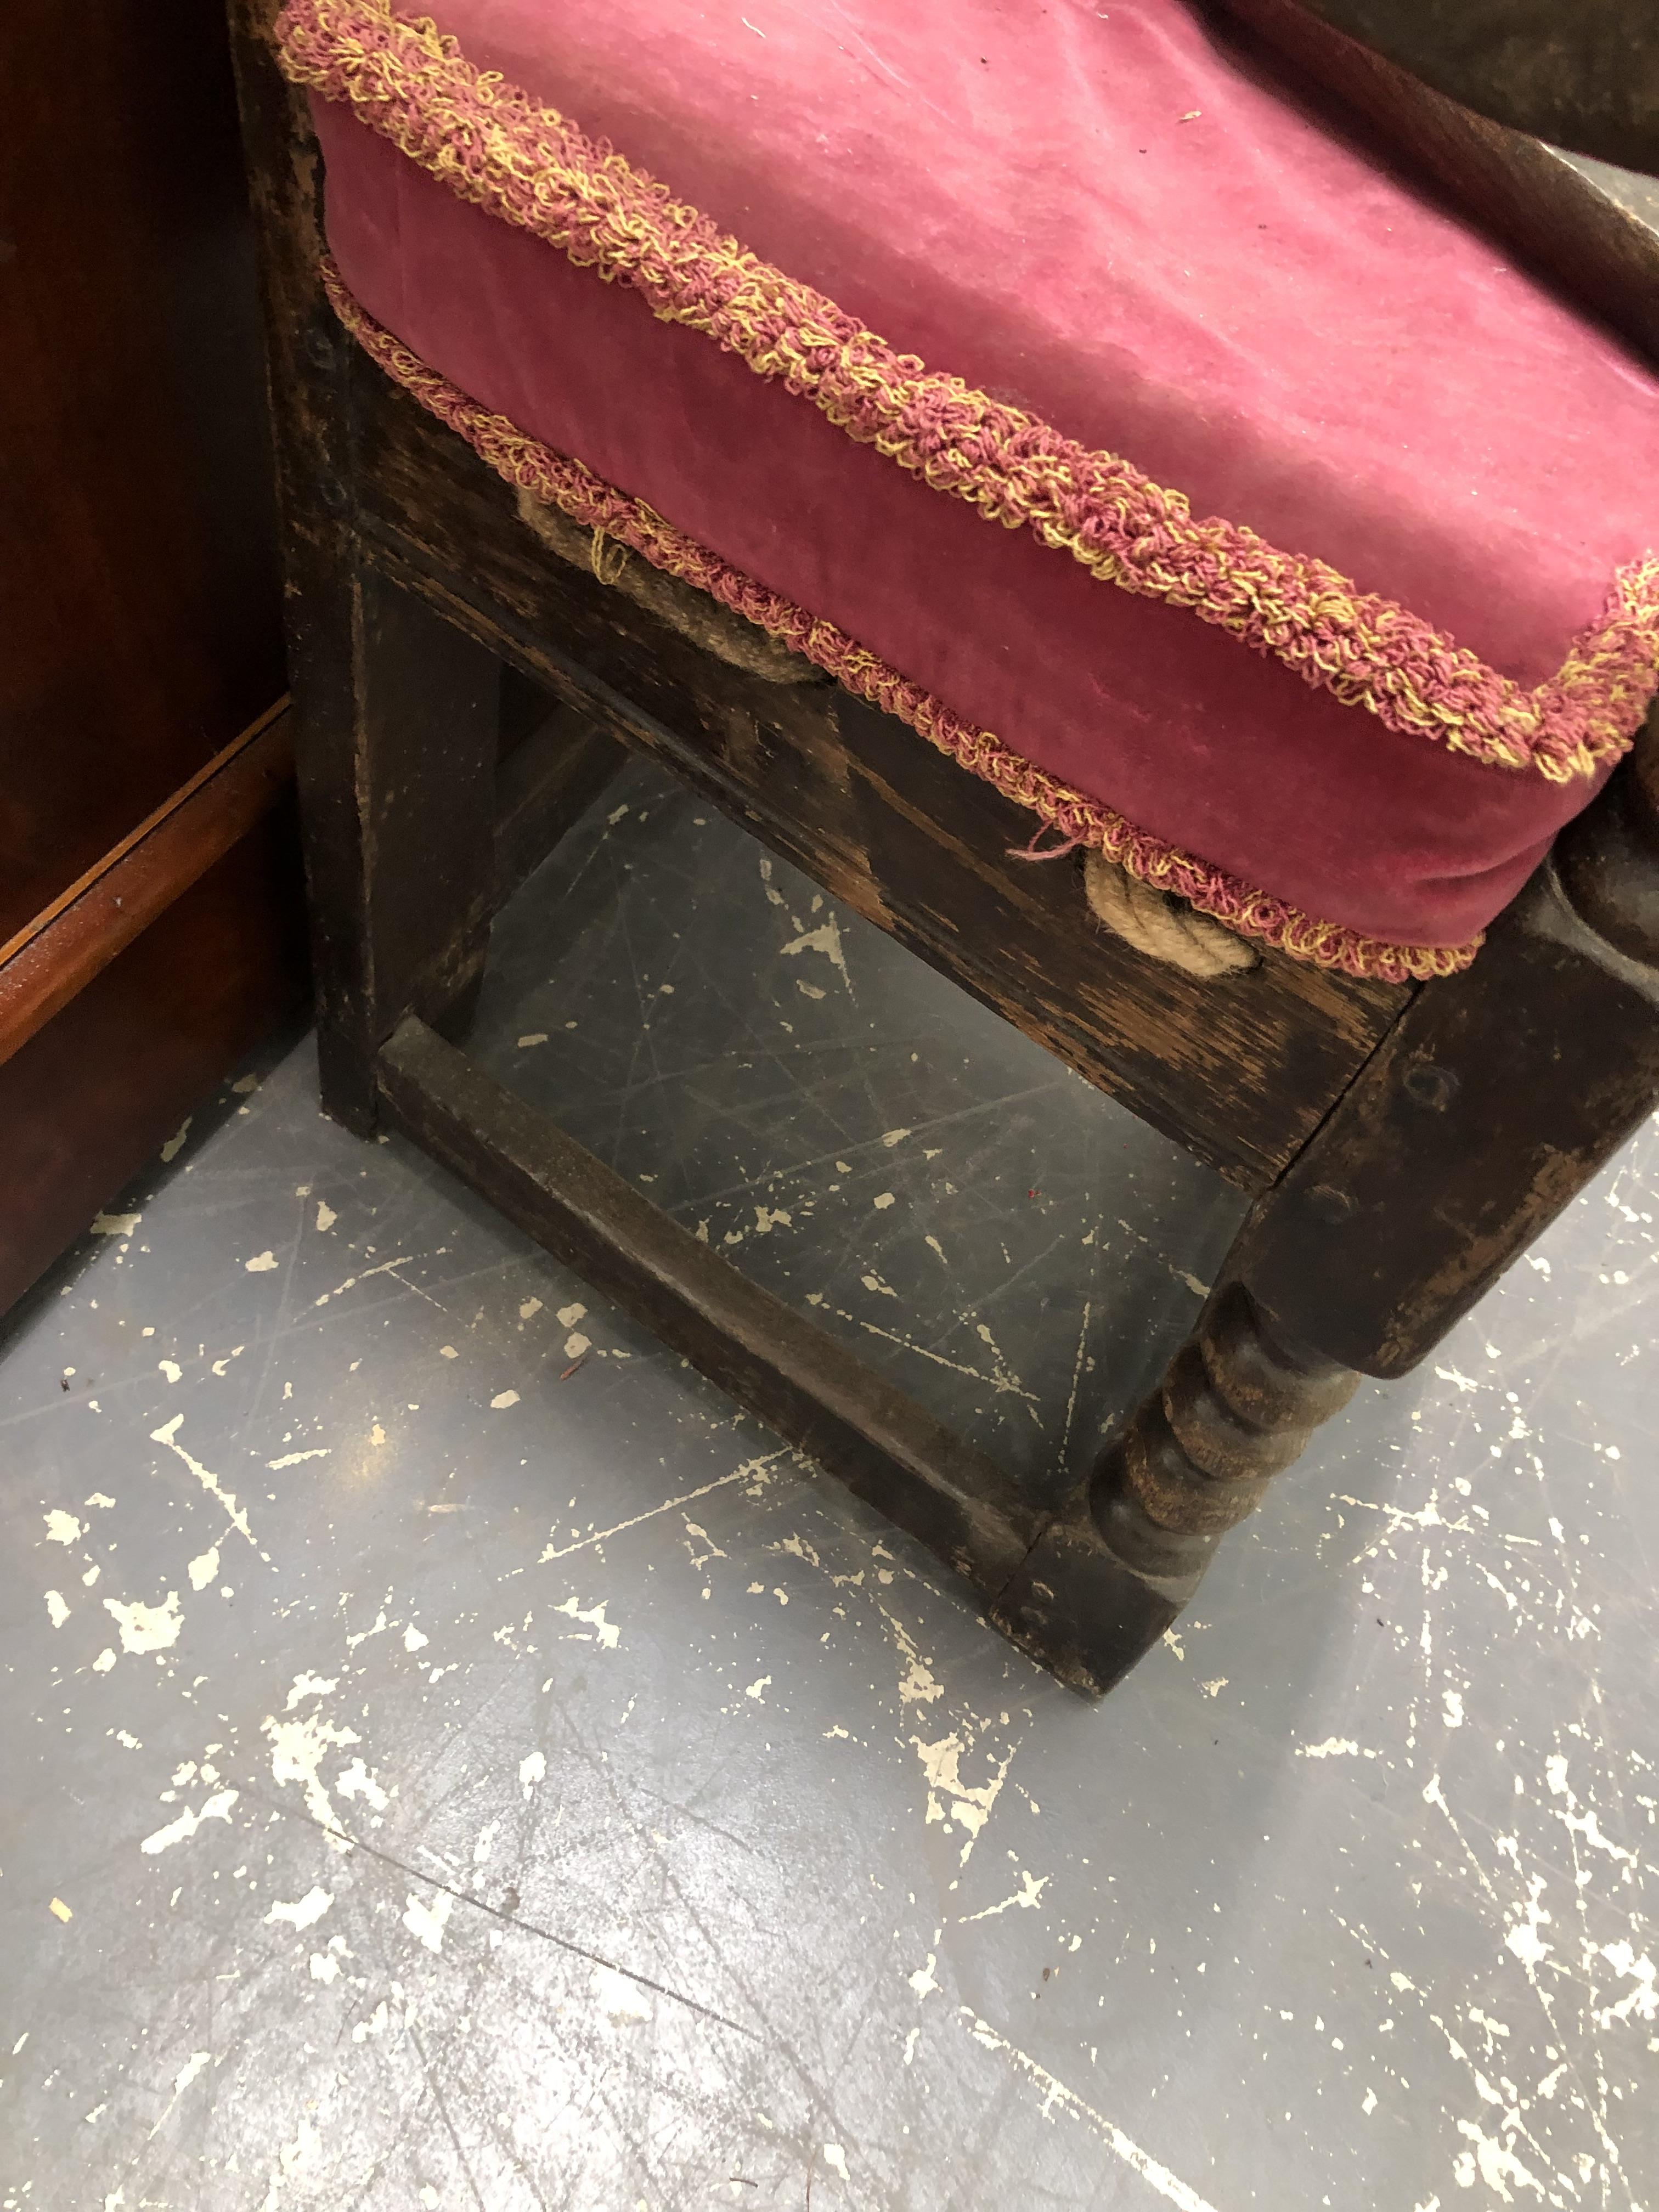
<point>1110,221</point>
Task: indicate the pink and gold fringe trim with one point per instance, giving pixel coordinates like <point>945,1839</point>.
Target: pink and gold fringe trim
<point>587,499</point>
<point>494,145</point>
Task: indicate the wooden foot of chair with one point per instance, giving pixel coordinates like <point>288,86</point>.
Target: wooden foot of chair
<point>1239,1403</point>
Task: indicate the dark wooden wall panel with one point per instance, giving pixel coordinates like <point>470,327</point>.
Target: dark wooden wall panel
<point>137,546</point>
<point>140,611</point>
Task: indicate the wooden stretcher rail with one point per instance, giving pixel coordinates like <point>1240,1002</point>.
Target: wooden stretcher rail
<point>783,1367</point>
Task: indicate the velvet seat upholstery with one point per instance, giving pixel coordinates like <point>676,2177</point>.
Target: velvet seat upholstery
<point>1323,593</point>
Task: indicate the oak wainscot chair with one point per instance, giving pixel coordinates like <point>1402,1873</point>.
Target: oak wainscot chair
<point>1358,887</point>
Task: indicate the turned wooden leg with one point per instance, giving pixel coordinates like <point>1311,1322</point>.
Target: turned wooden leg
<point>1238,1405</point>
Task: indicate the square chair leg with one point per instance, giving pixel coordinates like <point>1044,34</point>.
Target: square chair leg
<point>398,729</point>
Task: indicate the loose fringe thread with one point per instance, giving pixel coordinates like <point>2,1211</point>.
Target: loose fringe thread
<point>489,142</point>
<point>527,465</point>
<point>1031,852</point>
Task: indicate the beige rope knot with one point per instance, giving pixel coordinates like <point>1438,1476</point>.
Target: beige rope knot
<point>697,617</point>
<point>1162,927</point>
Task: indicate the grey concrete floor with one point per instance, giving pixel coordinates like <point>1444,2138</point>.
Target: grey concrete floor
<point>451,1759</point>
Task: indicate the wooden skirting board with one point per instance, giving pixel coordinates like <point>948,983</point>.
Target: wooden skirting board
<point>133,993</point>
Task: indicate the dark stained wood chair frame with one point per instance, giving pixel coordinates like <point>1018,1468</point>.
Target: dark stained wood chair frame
<point>1401,1146</point>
